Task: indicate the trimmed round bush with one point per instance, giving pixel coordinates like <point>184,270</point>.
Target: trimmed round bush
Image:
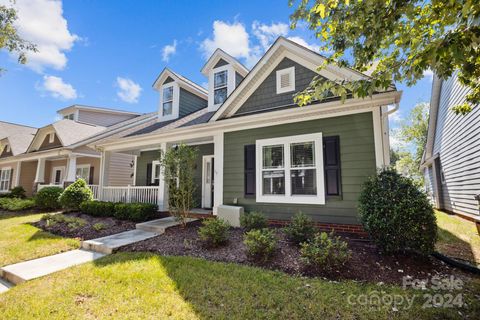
<point>135,211</point>
<point>98,208</point>
<point>18,192</point>
<point>396,214</point>
<point>48,198</point>
<point>253,220</point>
<point>214,232</point>
<point>300,229</point>
<point>75,194</point>
<point>261,243</point>
<point>324,252</point>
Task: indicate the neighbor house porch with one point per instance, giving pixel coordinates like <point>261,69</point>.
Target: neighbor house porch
<point>148,181</point>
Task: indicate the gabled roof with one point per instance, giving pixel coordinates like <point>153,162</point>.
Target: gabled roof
<point>8,129</point>
<point>19,142</point>
<point>182,82</point>
<point>280,49</point>
<point>95,109</point>
<point>218,55</point>
<point>67,131</point>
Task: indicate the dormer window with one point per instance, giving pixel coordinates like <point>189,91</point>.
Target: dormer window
<point>70,116</point>
<point>51,137</point>
<point>7,148</point>
<point>220,80</point>
<point>167,103</point>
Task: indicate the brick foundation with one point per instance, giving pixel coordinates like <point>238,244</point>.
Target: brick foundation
<point>339,228</point>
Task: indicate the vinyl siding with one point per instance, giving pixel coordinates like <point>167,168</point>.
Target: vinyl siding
<point>49,165</point>
<point>202,150</point>
<point>357,154</point>
<point>266,97</point>
<point>429,184</point>
<point>94,165</point>
<point>102,119</point>
<point>458,144</point>
<point>190,103</point>
<point>120,170</point>
<point>143,160</point>
<point>27,176</point>
<point>47,145</point>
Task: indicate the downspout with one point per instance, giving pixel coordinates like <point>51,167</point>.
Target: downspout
<point>386,132</point>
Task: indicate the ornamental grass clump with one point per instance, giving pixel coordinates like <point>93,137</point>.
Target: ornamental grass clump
<point>396,214</point>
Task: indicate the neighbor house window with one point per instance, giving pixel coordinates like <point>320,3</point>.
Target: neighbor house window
<point>290,169</point>
<point>83,172</point>
<point>155,171</point>
<point>5,175</point>
<point>167,103</point>
<point>220,87</point>
<point>70,116</point>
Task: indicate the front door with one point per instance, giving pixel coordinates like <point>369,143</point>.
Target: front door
<point>57,175</point>
<point>207,181</point>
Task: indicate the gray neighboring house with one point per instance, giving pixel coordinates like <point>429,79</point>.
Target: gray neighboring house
<point>451,162</point>
<point>257,149</point>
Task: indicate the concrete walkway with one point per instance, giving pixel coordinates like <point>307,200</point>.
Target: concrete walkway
<point>91,250</point>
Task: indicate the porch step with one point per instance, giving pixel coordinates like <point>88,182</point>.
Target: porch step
<point>160,225</point>
<point>4,286</point>
<point>28,270</point>
<point>109,244</point>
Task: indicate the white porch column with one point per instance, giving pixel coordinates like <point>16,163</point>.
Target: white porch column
<point>104,166</point>
<point>218,171</point>
<point>16,182</point>
<point>40,173</point>
<point>378,139</point>
<point>162,189</point>
<point>71,168</point>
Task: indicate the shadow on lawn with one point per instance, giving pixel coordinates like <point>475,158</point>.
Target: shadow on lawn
<point>42,235</point>
<point>454,247</point>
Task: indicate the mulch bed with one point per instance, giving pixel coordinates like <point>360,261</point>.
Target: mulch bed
<point>87,232</point>
<point>366,263</point>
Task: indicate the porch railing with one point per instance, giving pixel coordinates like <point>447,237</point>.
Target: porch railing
<point>129,194</point>
<point>92,187</point>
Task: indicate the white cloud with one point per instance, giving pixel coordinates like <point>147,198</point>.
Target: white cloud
<point>58,88</point>
<point>428,74</point>
<point>129,91</point>
<point>266,34</point>
<point>395,117</point>
<point>232,38</point>
<point>396,143</point>
<point>169,50</point>
<point>304,43</point>
<point>42,23</point>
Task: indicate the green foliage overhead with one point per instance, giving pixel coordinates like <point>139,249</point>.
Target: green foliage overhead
<point>9,38</point>
<point>398,39</point>
<point>396,214</point>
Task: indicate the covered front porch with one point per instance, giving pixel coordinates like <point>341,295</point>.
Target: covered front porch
<point>148,181</point>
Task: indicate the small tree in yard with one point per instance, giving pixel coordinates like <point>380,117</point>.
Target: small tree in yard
<point>396,214</point>
<point>178,165</point>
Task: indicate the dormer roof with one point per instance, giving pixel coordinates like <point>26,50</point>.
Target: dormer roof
<point>183,82</point>
<point>220,55</point>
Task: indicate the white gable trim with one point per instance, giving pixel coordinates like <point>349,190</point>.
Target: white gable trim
<point>281,49</point>
<point>217,56</point>
<point>40,136</point>
<point>158,84</point>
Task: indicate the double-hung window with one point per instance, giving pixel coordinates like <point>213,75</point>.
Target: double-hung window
<point>5,176</point>
<point>290,169</point>
<point>220,84</point>
<point>167,101</point>
<point>83,172</point>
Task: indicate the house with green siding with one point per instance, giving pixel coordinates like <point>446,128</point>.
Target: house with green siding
<point>257,149</point>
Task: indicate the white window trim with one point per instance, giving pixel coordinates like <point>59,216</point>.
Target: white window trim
<point>155,163</point>
<point>51,137</point>
<point>175,102</point>
<point>83,166</point>
<point>52,174</point>
<point>8,180</point>
<point>211,85</point>
<point>291,72</point>
<point>7,148</point>
<point>319,198</point>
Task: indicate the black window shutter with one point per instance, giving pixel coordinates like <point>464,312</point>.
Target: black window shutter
<point>90,178</point>
<point>10,182</point>
<point>149,175</point>
<point>331,159</point>
<point>249,160</point>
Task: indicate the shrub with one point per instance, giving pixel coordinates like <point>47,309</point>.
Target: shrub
<point>214,232</point>
<point>396,214</point>
<point>98,208</point>
<point>48,198</point>
<point>300,229</point>
<point>99,226</point>
<point>324,251</point>
<point>16,204</point>
<point>253,220</point>
<point>260,243</point>
<point>71,222</point>
<point>18,192</point>
<point>75,194</point>
<point>135,211</point>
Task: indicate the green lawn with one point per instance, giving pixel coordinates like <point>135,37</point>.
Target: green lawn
<point>21,241</point>
<point>458,238</point>
<point>148,286</point>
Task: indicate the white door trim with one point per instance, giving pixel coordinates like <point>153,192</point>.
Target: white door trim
<point>62,176</point>
<point>207,201</point>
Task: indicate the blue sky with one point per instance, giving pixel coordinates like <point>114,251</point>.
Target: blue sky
<point>108,53</point>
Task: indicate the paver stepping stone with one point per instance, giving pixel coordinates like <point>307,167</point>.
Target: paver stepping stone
<point>111,243</point>
<point>28,270</point>
<point>160,225</point>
